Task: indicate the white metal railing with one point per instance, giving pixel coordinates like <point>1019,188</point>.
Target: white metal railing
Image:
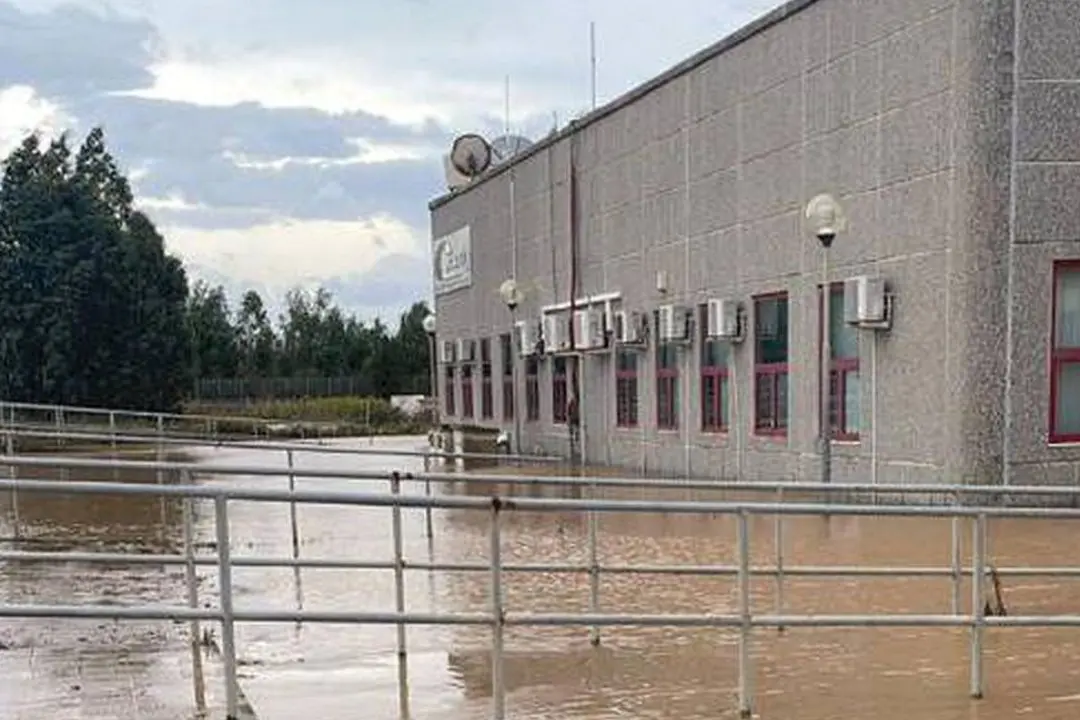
<point>319,447</point>
<point>113,416</point>
<point>498,617</point>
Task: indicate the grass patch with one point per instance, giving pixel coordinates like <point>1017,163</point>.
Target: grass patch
<point>342,416</point>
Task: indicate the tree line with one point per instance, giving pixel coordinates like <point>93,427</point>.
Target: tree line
<point>95,311</point>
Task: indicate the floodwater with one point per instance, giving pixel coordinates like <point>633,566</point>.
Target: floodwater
<point>335,671</point>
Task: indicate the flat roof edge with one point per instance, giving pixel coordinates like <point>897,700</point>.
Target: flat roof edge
<point>744,33</point>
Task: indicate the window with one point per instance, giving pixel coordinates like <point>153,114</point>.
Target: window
<point>558,391</point>
<point>843,370</point>
<point>506,350</point>
<point>450,391</point>
<point>487,397</point>
<point>667,386</point>
<point>714,378</point>
<point>626,389</point>
<point>466,391</point>
<point>1065,355</point>
<point>532,389</point>
<point>771,364</point>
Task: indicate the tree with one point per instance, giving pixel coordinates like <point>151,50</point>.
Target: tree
<point>91,301</point>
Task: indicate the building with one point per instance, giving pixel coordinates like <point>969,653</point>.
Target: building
<point>949,130</point>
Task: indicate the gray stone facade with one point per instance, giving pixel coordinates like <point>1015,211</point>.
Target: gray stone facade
<point>949,129</point>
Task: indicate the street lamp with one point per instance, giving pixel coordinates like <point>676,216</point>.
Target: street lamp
<point>512,296</point>
<point>826,220</point>
<point>429,328</point>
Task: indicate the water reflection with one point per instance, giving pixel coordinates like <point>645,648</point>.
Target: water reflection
<point>328,671</point>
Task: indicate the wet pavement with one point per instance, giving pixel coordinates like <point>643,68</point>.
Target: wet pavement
<point>335,671</point>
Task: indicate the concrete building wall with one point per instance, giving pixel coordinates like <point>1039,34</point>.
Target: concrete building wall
<point>1046,172</point>
<point>902,108</point>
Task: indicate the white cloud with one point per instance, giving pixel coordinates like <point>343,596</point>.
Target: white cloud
<point>282,254</point>
<point>367,153</point>
<point>23,111</point>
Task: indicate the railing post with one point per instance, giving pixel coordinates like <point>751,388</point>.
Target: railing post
<point>778,542</point>
<point>228,629</point>
<point>160,474</point>
<point>399,596</point>
<point>112,432</point>
<point>594,569</point>
<point>978,618</point>
<point>294,531</point>
<point>498,619</point>
<point>58,418</point>
<point>429,530</point>
<point>957,568</point>
<point>194,631</point>
<point>13,473</point>
<point>746,708</point>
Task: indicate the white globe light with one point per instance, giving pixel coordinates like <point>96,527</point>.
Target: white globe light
<point>429,324</point>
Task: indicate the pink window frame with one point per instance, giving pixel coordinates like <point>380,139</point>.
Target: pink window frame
<point>770,372</point>
<point>1060,357</point>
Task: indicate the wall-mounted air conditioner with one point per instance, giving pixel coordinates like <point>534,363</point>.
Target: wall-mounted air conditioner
<point>673,323</point>
<point>866,303</point>
<point>589,329</point>
<point>724,319</point>
<point>447,352</point>
<point>528,336</point>
<point>556,334</point>
<point>629,328</point>
<point>466,351</point>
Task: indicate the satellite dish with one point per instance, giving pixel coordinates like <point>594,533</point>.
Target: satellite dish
<point>470,155</point>
<point>507,146</point>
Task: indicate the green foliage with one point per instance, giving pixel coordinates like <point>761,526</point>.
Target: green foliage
<point>349,415</point>
<point>94,311</point>
<point>92,307</point>
<point>312,338</point>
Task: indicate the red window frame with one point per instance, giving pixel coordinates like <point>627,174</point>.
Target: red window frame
<point>450,391</point>
<point>506,349</point>
<point>771,381</point>
<point>713,359</point>
<point>626,389</point>
<point>532,390</point>
<point>467,391</point>
<point>667,385</point>
<point>559,395</point>
<point>842,371</point>
<point>487,392</point>
<point>1061,356</point>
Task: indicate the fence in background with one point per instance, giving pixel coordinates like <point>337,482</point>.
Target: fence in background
<point>241,390</point>
<point>745,620</point>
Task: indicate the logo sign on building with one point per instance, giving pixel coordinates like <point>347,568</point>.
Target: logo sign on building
<point>452,257</point>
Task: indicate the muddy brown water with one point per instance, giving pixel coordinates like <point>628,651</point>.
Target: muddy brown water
<point>335,671</point>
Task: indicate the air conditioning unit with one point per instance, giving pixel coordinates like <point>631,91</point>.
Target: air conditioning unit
<point>865,302</point>
<point>723,319</point>
<point>447,352</point>
<point>629,328</point>
<point>673,323</point>
<point>528,337</point>
<point>466,351</point>
<point>556,334</point>
<point>589,329</point>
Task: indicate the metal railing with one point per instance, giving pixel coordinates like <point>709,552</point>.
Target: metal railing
<point>498,617</point>
<point>59,416</point>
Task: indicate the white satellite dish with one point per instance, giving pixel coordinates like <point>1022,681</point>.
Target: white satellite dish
<point>471,155</point>
<point>507,146</point>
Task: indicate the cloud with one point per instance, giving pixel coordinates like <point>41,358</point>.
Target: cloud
<point>22,112</point>
<point>73,52</point>
<point>277,143</point>
<point>282,253</point>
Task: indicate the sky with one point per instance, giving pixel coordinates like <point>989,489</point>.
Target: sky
<point>279,144</point>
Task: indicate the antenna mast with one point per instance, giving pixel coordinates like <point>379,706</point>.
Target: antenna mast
<point>506,109</point>
<point>592,60</point>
